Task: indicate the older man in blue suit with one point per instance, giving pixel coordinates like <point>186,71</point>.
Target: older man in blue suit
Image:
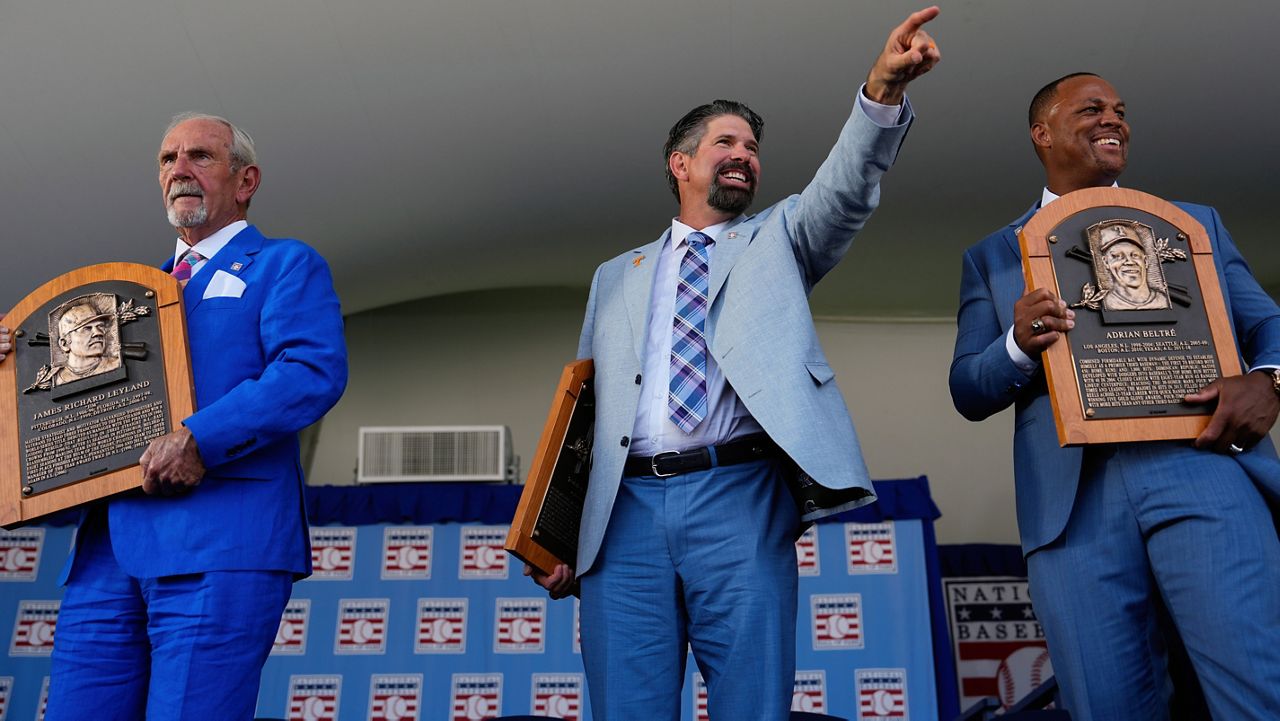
<point>1108,529</point>
<point>711,387</point>
<point>173,597</point>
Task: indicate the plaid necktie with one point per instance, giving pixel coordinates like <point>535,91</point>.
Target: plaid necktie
<point>687,399</point>
<point>182,269</point>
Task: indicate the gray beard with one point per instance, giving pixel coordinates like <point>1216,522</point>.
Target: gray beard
<point>188,218</point>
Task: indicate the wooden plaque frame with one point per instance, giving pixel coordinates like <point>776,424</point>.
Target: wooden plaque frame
<point>166,307</point>
<point>547,470</point>
<point>1074,427</point>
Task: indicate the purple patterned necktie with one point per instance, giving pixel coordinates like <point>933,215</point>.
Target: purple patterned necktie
<point>182,269</point>
<point>687,399</point>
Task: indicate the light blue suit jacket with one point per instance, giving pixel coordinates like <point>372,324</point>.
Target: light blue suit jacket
<point>759,328</point>
<point>266,365</point>
<point>985,381</point>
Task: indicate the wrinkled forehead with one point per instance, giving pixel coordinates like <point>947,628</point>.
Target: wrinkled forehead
<point>197,133</point>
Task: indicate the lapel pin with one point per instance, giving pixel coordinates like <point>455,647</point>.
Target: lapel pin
<point>236,266</point>
<point>732,234</point>
<point>637,261</point>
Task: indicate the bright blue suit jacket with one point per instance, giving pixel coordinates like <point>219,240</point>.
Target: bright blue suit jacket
<point>985,381</point>
<point>266,365</point>
<point>759,329</point>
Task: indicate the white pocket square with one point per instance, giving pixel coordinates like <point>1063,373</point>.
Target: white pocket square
<point>224,285</point>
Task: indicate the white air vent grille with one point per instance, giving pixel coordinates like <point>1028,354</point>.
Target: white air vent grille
<point>435,453</point>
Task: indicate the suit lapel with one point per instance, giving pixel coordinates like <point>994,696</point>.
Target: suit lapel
<point>637,288</point>
<point>732,241</point>
<point>1016,227</point>
<point>234,257</point>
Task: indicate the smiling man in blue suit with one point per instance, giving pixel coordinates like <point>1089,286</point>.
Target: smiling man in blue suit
<point>711,387</point>
<point>1107,529</point>
<point>173,597</point>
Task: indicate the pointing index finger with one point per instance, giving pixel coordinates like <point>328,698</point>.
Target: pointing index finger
<point>914,22</point>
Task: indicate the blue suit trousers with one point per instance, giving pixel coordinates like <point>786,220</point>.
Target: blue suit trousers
<point>1192,526</point>
<point>185,647</point>
<point>704,560</point>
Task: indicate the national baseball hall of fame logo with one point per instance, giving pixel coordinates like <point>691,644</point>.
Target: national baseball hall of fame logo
<point>406,552</point>
<point>810,692</point>
<point>20,554</point>
<point>34,627</point>
<point>314,698</point>
<point>395,697</point>
<point>476,696</point>
<point>807,553</point>
<point>882,694</point>
<point>291,636</point>
<point>333,553</point>
<point>6,693</point>
<point>482,555</point>
<point>557,696</point>
<point>871,547</point>
<point>999,645</point>
<point>362,626</point>
<point>520,625</point>
<point>836,621</point>
<point>442,626</point>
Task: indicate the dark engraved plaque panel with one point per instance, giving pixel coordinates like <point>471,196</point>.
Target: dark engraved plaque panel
<point>79,427</point>
<point>556,528</point>
<point>99,368</point>
<point>1150,327</point>
<point>544,532</point>
<point>1140,362</point>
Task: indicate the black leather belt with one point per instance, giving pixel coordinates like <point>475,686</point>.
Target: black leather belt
<point>670,463</point>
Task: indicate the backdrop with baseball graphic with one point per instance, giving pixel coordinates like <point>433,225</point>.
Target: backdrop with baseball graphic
<point>414,611</point>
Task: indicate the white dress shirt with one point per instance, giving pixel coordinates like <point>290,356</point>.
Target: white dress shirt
<point>727,418</point>
<point>208,247</point>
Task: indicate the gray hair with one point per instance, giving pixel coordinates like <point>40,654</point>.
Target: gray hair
<point>242,151</point>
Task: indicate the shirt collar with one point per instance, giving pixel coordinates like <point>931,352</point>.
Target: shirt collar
<point>1048,196</point>
<point>680,231</point>
<point>210,246</point>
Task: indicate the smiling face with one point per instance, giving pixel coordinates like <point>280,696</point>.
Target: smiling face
<point>719,179</point>
<point>202,192</point>
<point>1127,264</point>
<point>1082,138</point>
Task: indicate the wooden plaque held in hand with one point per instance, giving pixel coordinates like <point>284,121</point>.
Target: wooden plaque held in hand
<point>99,368</point>
<point>544,532</point>
<point>1151,325</point>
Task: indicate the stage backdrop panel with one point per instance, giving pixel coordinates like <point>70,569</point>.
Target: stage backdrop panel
<point>415,612</point>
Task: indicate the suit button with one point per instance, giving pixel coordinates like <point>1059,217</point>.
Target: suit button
<point>637,379</point>
<point>625,441</point>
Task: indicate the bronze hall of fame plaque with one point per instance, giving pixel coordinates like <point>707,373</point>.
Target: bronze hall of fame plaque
<point>544,532</point>
<point>99,368</point>
<point>1151,323</point>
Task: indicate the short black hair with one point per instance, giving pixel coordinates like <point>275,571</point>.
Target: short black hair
<point>1043,99</point>
<point>688,131</point>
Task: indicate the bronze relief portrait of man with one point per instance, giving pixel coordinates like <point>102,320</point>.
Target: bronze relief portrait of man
<point>1127,266</point>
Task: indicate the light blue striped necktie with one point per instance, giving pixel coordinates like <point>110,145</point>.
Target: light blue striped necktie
<point>687,397</point>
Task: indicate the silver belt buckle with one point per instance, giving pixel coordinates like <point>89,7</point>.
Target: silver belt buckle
<point>653,463</point>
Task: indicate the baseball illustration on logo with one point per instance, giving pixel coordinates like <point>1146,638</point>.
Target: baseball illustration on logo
<point>807,553</point>
<point>836,620</point>
<point>333,552</point>
<point>20,553</point>
<point>519,624</point>
<point>871,547</point>
<point>34,628</point>
<point>557,696</point>
<point>1021,672</point>
<point>395,697</point>
<point>810,692</point>
<point>476,697</point>
<point>362,626</point>
<point>442,626</point>
<point>882,694</point>
<point>314,698</point>
<point>482,552</point>
<point>406,552</point>
<point>291,636</point>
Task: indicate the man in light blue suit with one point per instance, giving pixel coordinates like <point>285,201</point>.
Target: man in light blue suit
<point>174,597</point>
<point>710,387</point>
<point>1109,529</point>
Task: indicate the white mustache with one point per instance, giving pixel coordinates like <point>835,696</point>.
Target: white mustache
<point>185,188</point>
